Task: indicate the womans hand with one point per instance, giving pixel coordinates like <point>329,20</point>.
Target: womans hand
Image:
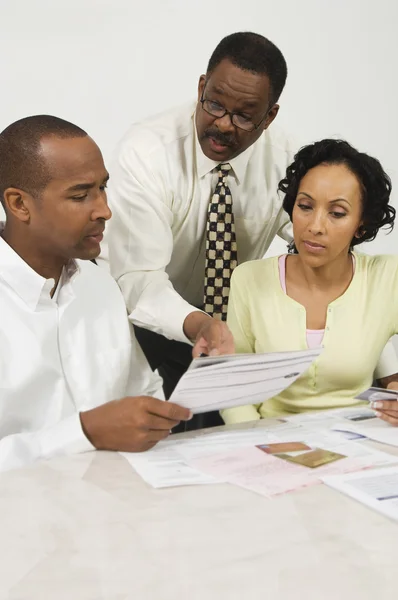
<point>387,410</point>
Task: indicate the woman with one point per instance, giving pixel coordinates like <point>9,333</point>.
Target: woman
<point>322,293</point>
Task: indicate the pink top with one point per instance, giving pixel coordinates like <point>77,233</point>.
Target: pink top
<point>314,336</point>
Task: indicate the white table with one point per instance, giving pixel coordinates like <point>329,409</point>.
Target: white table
<point>88,528</point>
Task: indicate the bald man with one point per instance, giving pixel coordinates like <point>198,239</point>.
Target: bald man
<point>72,377</point>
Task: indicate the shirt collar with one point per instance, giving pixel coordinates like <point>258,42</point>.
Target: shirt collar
<point>204,164</point>
<point>29,285</point>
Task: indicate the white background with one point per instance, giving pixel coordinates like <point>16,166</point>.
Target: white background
<point>106,63</point>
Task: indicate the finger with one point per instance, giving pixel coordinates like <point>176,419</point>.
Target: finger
<point>200,347</point>
<point>387,418</point>
<point>212,334</point>
<point>218,339</point>
<point>389,405</point>
<point>147,444</point>
<point>156,423</point>
<point>156,436</point>
<point>206,345</point>
<point>228,340</point>
<point>390,413</point>
<point>223,341</point>
<point>168,410</point>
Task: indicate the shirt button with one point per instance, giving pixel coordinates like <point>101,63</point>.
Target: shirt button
<point>330,310</point>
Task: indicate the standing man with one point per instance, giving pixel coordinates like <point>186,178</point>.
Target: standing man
<point>193,193</point>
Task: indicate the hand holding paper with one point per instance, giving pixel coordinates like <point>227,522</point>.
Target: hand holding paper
<point>384,402</point>
<point>218,382</point>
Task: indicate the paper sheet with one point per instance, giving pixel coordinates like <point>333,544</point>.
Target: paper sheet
<point>376,488</point>
<point>167,465</point>
<point>325,419</point>
<point>269,475</point>
<point>375,429</point>
<point>215,383</point>
<point>166,468</point>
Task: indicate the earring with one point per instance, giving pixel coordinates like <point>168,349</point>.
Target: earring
<point>361,231</point>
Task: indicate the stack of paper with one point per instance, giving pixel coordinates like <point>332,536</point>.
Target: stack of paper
<point>233,455</point>
<point>215,383</point>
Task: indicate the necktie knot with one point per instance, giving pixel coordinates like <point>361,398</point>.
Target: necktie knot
<point>223,169</point>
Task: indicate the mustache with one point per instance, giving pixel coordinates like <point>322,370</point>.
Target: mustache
<point>221,138</point>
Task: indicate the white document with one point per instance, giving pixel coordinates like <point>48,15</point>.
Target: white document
<point>337,420</point>
<point>170,463</point>
<point>325,419</point>
<point>164,467</point>
<point>269,475</point>
<point>253,470</point>
<point>376,488</point>
<point>166,464</point>
<point>215,383</point>
<point>375,429</point>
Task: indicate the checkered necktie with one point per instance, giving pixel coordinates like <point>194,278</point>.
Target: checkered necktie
<point>221,251</point>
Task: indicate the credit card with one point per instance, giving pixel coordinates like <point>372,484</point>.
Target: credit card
<point>283,447</point>
<point>373,394</point>
<point>313,459</point>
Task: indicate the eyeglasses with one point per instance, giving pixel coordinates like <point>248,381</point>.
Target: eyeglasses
<point>216,110</point>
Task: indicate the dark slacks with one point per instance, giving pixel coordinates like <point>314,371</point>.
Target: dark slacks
<point>172,359</point>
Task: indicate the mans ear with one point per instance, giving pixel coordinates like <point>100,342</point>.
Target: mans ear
<point>201,86</point>
<point>17,204</point>
<point>271,116</point>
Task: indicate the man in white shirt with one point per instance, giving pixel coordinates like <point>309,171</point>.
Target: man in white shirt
<point>164,195</point>
<point>162,181</point>
<point>72,377</point>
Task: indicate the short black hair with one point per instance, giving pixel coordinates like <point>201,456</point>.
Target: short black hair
<point>375,183</point>
<point>252,52</point>
<point>21,163</point>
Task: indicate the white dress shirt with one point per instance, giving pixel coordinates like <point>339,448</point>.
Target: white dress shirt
<point>159,191</point>
<point>61,355</point>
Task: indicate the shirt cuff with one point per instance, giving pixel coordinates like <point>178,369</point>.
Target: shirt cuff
<point>66,437</point>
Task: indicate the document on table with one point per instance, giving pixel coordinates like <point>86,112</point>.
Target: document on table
<point>163,467</point>
<point>327,418</point>
<point>215,383</point>
<point>171,462</point>
<point>270,474</point>
<point>377,488</point>
<point>337,419</point>
<point>374,428</point>
<point>166,464</point>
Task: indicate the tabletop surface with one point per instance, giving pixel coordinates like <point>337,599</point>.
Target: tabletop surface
<point>86,527</point>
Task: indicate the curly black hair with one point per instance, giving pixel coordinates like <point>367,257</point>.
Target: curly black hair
<point>375,183</point>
